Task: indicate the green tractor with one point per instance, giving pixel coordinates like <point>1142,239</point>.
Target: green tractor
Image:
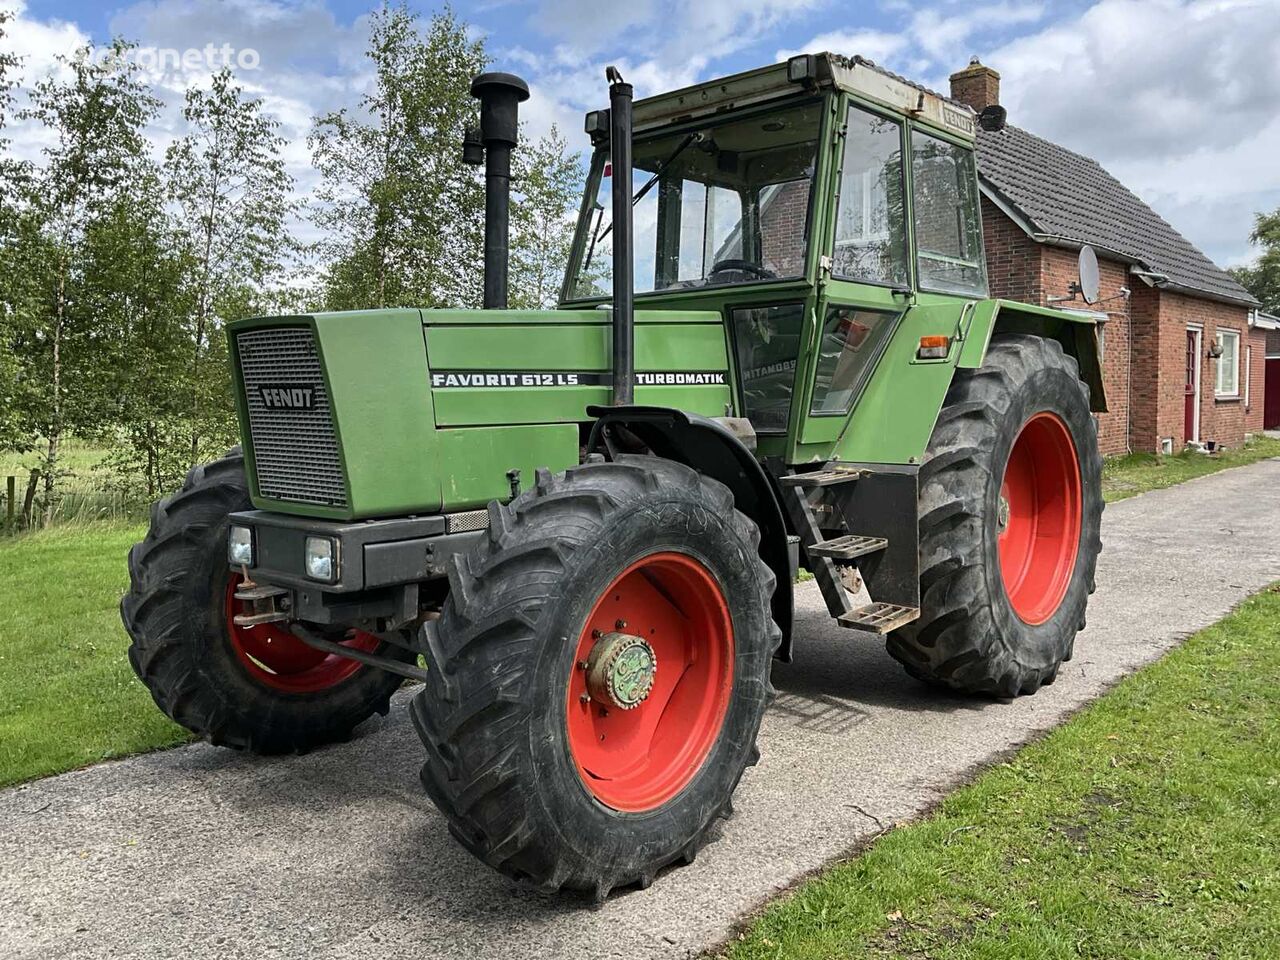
<point>578,527</point>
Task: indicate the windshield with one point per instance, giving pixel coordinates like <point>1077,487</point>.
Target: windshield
<point>721,204</point>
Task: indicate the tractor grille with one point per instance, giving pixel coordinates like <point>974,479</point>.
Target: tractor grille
<point>295,450</point>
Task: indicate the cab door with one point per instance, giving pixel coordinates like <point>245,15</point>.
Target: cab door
<point>866,284</point>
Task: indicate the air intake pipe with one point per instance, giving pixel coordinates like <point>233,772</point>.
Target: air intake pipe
<point>500,96</point>
<point>624,367</point>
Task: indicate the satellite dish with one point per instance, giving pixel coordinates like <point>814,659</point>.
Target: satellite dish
<point>1088,274</point>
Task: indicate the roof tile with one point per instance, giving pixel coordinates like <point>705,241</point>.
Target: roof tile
<point>1065,195</point>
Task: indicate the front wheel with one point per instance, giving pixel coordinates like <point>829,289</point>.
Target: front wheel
<point>1010,511</point>
<point>255,688</point>
<point>598,675</point>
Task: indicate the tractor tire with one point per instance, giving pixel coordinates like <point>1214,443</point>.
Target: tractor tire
<point>550,783</point>
<point>1010,510</point>
<point>260,689</point>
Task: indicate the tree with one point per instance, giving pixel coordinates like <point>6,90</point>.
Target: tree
<point>232,196</point>
<point>1262,279</point>
<point>137,274</point>
<point>403,217</point>
<point>547,187</point>
<point>11,172</point>
<point>95,109</point>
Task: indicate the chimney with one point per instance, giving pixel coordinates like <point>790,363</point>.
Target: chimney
<point>976,85</point>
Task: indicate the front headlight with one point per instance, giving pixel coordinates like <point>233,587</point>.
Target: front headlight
<point>240,546</point>
<point>321,559</point>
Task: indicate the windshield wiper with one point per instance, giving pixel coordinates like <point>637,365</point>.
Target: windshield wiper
<point>662,168</point>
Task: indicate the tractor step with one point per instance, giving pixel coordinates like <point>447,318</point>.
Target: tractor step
<point>847,547</point>
<point>879,617</point>
<point>822,478</point>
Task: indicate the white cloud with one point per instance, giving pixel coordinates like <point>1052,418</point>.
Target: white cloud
<point>40,42</point>
<point>1178,99</point>
<point>944,36</point>
<point>877,45</point>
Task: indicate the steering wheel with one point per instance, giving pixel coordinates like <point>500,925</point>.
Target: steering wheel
<point>741,266</point>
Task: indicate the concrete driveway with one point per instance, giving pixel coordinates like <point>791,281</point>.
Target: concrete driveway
<point>199,852</point>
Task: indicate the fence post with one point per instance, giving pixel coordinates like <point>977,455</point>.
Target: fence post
<point>10,505</point>
<point>29,503</point>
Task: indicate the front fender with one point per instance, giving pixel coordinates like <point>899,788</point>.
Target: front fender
<point>710,448</point>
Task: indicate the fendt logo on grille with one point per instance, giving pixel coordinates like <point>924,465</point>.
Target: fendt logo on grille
<point>287,397</point>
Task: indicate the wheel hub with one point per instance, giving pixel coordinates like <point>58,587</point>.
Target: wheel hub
<point>638,735</point>
<point>1039,517</point>
<point>621,670</point>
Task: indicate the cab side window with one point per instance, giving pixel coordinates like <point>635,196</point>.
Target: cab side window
<point>871,233</point>
<point>949,254</point>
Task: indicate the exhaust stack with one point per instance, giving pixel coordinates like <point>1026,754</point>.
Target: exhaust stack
<point>500,96</point>
<point>624,373</point>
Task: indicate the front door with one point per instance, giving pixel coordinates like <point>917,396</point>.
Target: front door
<point>1271,397</point>
<point>1191,411</point>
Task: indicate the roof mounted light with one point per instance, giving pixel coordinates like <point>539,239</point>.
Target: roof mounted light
<point>802,68</point>
<point>597,126</point>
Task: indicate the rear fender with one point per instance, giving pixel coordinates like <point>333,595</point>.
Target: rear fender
<point>710,448</point>
<point>1078,335</point>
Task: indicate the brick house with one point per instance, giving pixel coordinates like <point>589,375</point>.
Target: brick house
<point>1182,361</point>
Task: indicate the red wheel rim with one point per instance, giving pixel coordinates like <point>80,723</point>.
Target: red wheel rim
<point>1039,518</point>
<point>276,658</point>
<point>638,759</point>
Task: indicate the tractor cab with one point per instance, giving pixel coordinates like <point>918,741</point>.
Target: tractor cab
<point>810,203</point>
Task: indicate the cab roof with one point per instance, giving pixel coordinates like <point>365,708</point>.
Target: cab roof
<point>816,71</point>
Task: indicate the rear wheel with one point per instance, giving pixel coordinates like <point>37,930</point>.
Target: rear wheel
<point>258,688</point>
<point>598,675</point>
<point>1010,511</point>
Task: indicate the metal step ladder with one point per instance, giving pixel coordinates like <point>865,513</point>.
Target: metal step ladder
<point>827,557</point>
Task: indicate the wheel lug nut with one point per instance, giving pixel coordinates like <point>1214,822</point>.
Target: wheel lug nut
<point>621,624</point>
<point>582,664</point>
<point>584,698</point>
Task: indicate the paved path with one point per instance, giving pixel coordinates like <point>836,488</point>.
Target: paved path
<point>200,852</point>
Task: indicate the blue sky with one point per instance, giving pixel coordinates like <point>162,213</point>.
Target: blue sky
<point>1178,98</point>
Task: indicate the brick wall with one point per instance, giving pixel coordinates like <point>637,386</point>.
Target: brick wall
<point>1221,420</point>
<point>1145,399</point>
<point>782,224</point>
<point>1013,258</point>
<point>1018,268</point>
<point>1059,269</point>
<point>1257,345</point>
<point>1144,350</point>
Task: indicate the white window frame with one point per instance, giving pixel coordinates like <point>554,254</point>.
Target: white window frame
<point>1222,366</point>
<point>1248,369</point>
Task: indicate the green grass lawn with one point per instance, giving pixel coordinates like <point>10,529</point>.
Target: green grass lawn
<point>1139,472</point>
<point>67,694</point>
<point>1146,827</point>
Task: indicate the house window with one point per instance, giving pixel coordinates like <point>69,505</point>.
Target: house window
<point>1228,384</point>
